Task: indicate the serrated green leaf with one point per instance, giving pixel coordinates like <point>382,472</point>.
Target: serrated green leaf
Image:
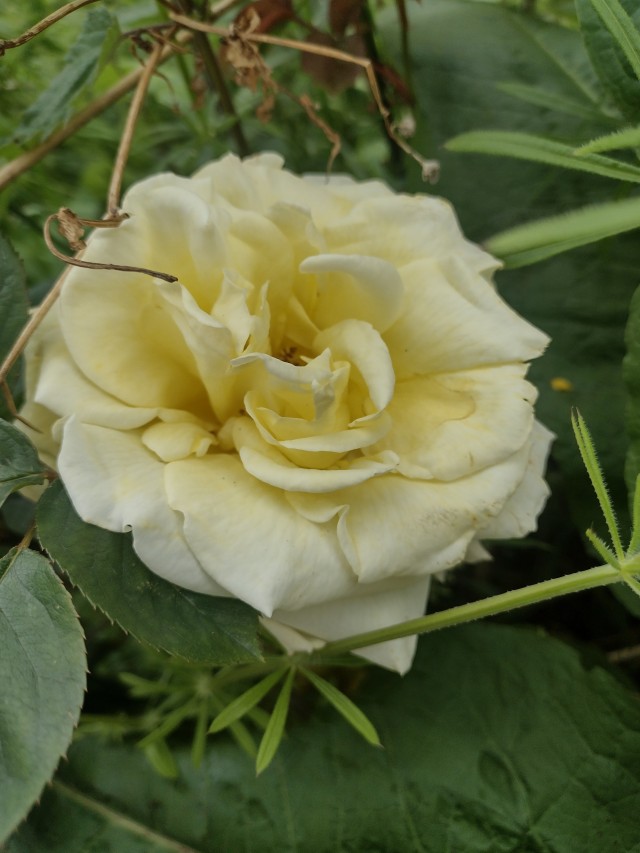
<point>526,146</point>
<point>245,702</point>
<point>19,463</point>
<point>344,706</point>
<point>14,308</point>
<point>275,730</point>
<point>486,749</point>
<point>628,137</point>
<point>622,28</point>
<point>199,628</point>
<point>555,234</point>
<point>82,63</point>
<point>42,672</point>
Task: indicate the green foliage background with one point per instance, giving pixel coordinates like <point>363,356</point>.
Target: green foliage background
<point>501,738</point>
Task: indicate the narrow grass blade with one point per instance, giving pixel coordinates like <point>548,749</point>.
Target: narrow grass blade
<point>622,28</point>
<point>603,549</point>
<point>634,545</point>
<point>633,584</point>
<point>344,706</point>
<point>244,703</point>
<point>159,756</point>
<point>200,735</point>
<point>590,459</point>
<point>556,102</point>
<point>273,735</point>
<point>526,146</point>
<point>628,137</point>
<point>556,234</point>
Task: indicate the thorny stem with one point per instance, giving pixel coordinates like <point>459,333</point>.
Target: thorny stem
<point>126,139</point>
<point>429,167</point>
<point>41,26</point>
<point>598,576</point>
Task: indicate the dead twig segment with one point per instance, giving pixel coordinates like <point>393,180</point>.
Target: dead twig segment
<point>430,168</point>
<point>72,228</point>
<point>41,26</point>
<point>115,185</point>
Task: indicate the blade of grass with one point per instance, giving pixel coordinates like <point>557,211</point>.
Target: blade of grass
<point>344,706</point>
<point>622,28</point>
<point>245,702</point>
<point>526,146</point>
<point>628,137</point>
<point>590,459</point>
<point>275,730</point>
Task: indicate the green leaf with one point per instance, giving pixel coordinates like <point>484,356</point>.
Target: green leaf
<point>526,146</point>
<point>14,307</point>
<point>42,672</point>
<point>628,137</point>
<point>499,739</point>
<point>535,241</point>
<point>583,108</point>
<point>622,28</point>
<point>603,28</point>
<point>82,63</point>
<point>245,702</point>
<point>272,737</point>
<point>344,706</point>
<point>19,463</point>
<point>199,628</point>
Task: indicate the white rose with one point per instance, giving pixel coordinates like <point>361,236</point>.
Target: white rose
<point>328,407</point>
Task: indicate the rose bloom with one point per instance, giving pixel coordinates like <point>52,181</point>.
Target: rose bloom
<point>328,407</point>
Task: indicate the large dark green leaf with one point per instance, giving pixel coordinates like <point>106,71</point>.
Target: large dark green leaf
<point>13,305</point>
<point>199,628</point>
<point>462,53</point>
<point>19,463</point>
<point>608,58</point>
<point>498,740</point>
<point>42,673</point>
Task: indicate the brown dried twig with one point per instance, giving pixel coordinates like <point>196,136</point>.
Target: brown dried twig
<point>72,226</point>
<point>124,147</point>
<point>41,26</point>
<point>430,168</point>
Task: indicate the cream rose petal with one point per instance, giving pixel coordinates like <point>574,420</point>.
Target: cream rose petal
<point>369,610</point>
<point>487,413</point>
<point>116,483</point>
<point>456,325</point>
<point>287,560</point>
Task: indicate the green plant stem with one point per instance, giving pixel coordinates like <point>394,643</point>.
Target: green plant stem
<point>598,576</point>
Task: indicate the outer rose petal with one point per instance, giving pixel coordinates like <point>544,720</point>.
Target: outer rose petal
<point>115,482</point>
<point>368,611</point>
<point>286,562</point>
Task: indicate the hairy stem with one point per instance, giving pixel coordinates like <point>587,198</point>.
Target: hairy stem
<point>599,576</point>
